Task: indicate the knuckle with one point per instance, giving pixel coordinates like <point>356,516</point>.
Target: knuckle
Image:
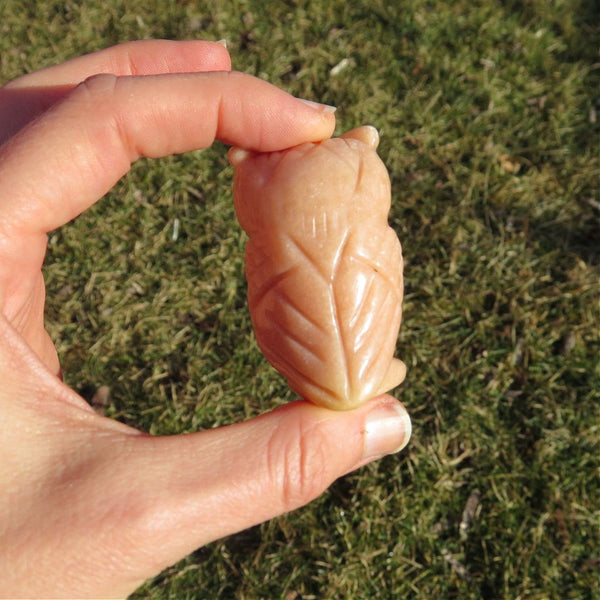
<point>125,58</point>
<point>298,464</point>
<point>98,86</point>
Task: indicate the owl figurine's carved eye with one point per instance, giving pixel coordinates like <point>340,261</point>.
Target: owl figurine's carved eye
<point>324,268</point>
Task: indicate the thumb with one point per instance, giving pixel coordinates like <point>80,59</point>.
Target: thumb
<point>135,504</point>
<point>200,487</point>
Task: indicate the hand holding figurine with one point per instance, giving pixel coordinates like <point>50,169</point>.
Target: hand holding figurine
<point>91,507</point>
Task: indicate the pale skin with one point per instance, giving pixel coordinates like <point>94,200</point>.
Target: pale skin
<point>90,507</point>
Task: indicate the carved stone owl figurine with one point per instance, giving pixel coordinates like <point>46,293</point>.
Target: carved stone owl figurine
<point>324,268</point>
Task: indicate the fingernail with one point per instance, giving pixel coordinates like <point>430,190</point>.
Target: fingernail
<point>387,431</point>
<point>223,42</point>
<point>237,156</point>
<point>326,109</point>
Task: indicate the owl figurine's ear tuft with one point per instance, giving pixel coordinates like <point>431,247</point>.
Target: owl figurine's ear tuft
<point>236,156</point>
<point>367,134</point>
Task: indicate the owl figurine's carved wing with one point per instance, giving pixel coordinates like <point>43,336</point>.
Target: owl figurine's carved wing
<point>324,269</point>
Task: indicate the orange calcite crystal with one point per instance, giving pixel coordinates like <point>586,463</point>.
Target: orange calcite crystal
<point>324,268</point>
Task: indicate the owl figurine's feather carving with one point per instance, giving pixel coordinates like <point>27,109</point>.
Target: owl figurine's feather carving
<point>324,268</point>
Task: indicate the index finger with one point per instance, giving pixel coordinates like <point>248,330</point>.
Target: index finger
<point>60,164</point>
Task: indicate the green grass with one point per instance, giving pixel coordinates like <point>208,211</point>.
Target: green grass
<point>488,115</point>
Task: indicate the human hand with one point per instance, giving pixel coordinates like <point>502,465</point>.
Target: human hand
<point>90,507</point>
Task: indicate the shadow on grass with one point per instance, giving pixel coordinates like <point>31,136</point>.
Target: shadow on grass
<point>576,22</point>
<point>580,238</point>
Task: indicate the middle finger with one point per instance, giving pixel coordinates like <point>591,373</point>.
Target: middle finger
<point>29,96</point>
